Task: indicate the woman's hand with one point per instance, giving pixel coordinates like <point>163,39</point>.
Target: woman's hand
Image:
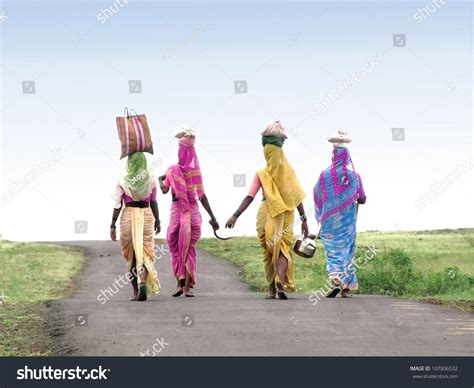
<point>157,227</point>
<point>113,233</point>
<point>214,224</point>
<point>304,228</point>
<point>161,181</point>
<point>231,222</point>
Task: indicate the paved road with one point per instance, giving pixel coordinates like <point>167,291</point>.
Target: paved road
<point>227,318</point>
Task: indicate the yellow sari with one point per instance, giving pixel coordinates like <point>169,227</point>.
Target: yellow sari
<point>275,218</point>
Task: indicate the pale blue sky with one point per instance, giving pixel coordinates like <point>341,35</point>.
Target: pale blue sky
<point>187,56</point>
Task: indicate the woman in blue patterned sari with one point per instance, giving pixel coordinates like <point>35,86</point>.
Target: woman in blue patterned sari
<point>337,195</point>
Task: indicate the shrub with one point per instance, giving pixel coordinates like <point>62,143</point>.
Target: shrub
<point>388,273</point>
<point>451,279</point>
<point>391,273</point>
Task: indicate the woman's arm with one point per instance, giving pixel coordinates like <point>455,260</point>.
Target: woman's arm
<point>304,220</point>
<point>163,187</point>
<point>156,214</point>
<point>207,206</point>
<point>113,228</point>
<point>243,206</point>
<point>254,189</point>
<point>361,197</point>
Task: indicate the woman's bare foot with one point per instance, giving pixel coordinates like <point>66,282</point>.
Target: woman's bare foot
<point>346,293</point>
<point>187,286</point>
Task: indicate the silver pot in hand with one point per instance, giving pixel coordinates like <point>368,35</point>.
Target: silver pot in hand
<point>305,247</point>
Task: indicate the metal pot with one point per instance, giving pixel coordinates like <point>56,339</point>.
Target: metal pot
<point>305,247</point>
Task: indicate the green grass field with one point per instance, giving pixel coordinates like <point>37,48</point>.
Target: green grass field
<point>430,265</point>
<point>32,274</point>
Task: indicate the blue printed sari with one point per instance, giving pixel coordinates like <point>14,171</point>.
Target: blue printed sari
<point>338,234</point>
<point>335,196</point>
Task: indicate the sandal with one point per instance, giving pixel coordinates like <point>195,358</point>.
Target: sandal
<point>180,290</point>
<point>142,293</point>
<point>177,293</point>
<point>281,291</point>
<point>189,294</point>
<point>336,289</point>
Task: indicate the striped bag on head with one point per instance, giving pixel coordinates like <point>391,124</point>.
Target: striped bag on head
<point>134,133</point>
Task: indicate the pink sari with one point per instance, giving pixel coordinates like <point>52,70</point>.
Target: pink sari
<point>185,221</point>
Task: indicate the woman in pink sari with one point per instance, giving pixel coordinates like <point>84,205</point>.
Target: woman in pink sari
<point>184,231</point>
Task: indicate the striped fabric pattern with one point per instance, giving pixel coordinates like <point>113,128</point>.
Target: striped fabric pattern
<point>134,135</point>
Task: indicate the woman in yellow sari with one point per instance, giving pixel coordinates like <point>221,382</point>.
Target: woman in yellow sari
<point>282,194</point>
<point>139,221</point>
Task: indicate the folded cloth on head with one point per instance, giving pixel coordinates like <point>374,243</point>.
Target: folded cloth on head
<point>339,138</point>
<point>275,129</point>
<point>185,132</point>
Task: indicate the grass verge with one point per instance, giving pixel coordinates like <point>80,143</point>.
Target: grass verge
<point>435,266</point>
<point>32,274</point>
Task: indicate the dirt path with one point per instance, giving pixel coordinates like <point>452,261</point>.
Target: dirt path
<point>227,318</point>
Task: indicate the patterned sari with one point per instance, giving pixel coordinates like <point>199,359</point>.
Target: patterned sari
<point>335,196</point>
<point>185,220</point>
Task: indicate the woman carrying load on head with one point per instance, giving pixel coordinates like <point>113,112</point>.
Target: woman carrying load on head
<point>337,195</point>
<point>184,231</point>
<point>282,194</point>
<point>139,221</point>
